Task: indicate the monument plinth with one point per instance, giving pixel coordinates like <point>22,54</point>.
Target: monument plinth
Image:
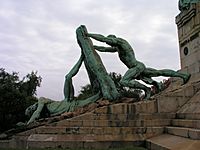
<point>168,120</point>
<point>188,24</point>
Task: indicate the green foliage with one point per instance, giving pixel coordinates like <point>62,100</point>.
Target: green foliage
<point>87,90</point>
<point>15,96</point>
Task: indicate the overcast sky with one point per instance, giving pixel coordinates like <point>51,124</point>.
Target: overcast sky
<point>40,35</point>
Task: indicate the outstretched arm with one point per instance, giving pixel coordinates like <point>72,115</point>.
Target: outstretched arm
<point>105,49</point>
<point>68,86</point>
<point>36,114</point>
<point>76,67</point>
<point>102,38</point>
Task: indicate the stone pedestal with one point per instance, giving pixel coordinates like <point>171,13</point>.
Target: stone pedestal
<point>188,24</point>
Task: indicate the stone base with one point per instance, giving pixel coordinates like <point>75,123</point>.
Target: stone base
<point>124,124</point>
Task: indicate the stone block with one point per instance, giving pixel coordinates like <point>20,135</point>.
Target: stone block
<point>149,106</point>
<point>28,132</point>
<point>75,123</point>
<point>134,123</point>
<point>197,85</point>
<point>122,117</point>
<point>140,107</point>
<point>155,146</point>
<point>88,123</point>
<point>110,117</point>
<point>178,92</point>
<point>152,106</point>
<point>131,108</point>
<point>186,123</point>
<point>86,130</point>
<point>155,130</point>
<point>101,123</point>
<point>192,106</point>
<point>126,130</point>
<point>188,91</point>
<point>195,98</point>
<point>50,130</point>
<point>117,123</point>
<point>188,116</point>
<point>106,137</point>
<point>198,19</point>
<point>194,134</point>
<point>70,123</point>
<point>139,130</point>
<point>111,130</point>
<point>133,137</point>
<point>163,122</point>
<point>101,116</point>
<point>75,130</point>
<point>167,104</point>
<point>87,116</point>
<point>178,131</point>
<point>170,103</point>
<point>120,108</point>
<point>98,130</point>
<point>101,110</point>
<point>150,123</point>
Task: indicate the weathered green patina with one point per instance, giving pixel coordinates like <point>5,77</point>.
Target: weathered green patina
<point>101,82</point>
<point>54,108</point>
<point>95,68</point>
<point>185,4</point>
<point>136,69</point>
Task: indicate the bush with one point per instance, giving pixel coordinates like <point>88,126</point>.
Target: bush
<point>15,96</point>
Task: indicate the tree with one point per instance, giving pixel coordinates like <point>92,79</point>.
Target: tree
<point>87,90</point>
<point>15,96</point>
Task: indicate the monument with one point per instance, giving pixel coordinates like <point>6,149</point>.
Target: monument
<point>169,120</point>
<point>188,24</point>
<point>101,82</point>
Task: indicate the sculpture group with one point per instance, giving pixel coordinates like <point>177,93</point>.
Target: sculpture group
<point>101,82</point>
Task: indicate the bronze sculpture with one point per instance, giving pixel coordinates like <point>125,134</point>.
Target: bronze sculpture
<point>101,82</point>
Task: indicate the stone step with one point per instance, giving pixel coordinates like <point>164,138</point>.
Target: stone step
<point>99,130</point>
<point>192,116</point>
<point>93,116</point>
<point>184,132</point>
<point>84,141</point>
<point>186,123</point>
<point>171,142</point>
<point>149,106</point>
<point>113,123</point>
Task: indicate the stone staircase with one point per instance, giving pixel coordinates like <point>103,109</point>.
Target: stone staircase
<point>109,126</point>
<point>187,122</point>
<point>170,120</point>
<point>183,132</point>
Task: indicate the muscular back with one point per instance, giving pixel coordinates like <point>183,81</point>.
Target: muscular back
<point>126,53</point>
